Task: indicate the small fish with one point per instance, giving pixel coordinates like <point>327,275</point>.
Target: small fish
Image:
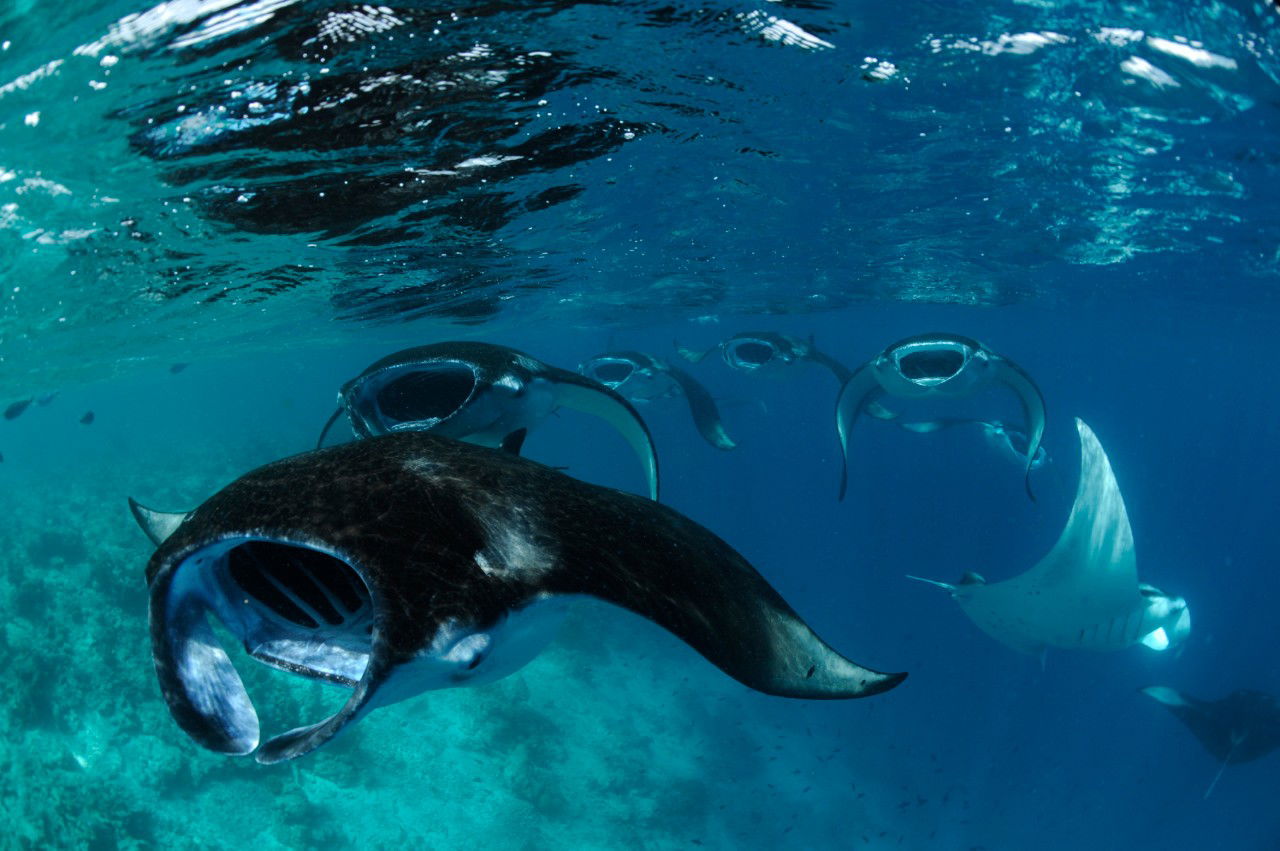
<point>87,419</point>
<point>1,457</point>
<point>177,367</point>
<point>15,410</point>
<point>46,398</point>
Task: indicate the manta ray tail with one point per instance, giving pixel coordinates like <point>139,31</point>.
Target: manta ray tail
<point>328,425</point>
<point>946,586</point>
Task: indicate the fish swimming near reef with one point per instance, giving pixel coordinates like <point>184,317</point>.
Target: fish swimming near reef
<point>482,393</point>
<point>411,562</point>
<point>1241,727</point>
<point>1084,594</point>
<point>16,409</point>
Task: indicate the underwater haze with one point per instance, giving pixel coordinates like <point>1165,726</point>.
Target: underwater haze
<point>214,213</point>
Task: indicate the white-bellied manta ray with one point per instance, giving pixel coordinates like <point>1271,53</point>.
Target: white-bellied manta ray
<point>482,393</point>
<point>942,366</point>
<point>411,562</point>
<point>1241,727</point>
<point>1085,593</point>
<point>643,377</point>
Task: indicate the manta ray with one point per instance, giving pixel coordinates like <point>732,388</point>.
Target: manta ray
<point>642,377</point>
<point>482,393</point>
<point>408,562</point>
<point>1243,726</point>
<point>935,366</point>
<point>1084,594</point>
<point>756,351</point>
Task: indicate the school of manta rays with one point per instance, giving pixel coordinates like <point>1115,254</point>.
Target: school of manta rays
<point>427,553</point>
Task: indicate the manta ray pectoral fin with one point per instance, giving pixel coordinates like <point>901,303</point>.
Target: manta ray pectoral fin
<point>1032,406</point>
<point>582,394</point>
<point>303,740</point>
<point>328,425</point>
<point>702,407</point>
<point>685,579</point>
<point>839,370</point>
<point>693,356</point>
<point>515,441</point>
<point>157,525</point>
<point>853,399</point>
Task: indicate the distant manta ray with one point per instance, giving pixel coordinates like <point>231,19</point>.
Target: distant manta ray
<point>935,366</point>
<point>481,393</point>
<point>753,351</point>
<point>410,562</point>
<point>642,377</point>
<point>759,352</point>
<point>1241,727</point>
<point>1085,593</point>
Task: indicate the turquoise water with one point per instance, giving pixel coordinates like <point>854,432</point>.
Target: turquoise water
<point>276,194</point>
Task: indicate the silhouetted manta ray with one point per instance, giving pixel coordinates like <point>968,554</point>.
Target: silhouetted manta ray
<point>1241,727</point>
<point>753,351</point>
<point>482,393</point>
<point>1085,593</point>
<point>767,351</point>
<point>937,365</point>
<point>411,562</point>
<point>639,376</point>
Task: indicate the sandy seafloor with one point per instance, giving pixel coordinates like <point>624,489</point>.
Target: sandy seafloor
<point>619,736</point>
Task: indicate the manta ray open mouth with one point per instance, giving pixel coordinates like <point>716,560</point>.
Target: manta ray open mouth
<point>752,353</point>
<point>418,394</point>
<point>932,364</point>
<point>611,373</point>
<point>294,607</point>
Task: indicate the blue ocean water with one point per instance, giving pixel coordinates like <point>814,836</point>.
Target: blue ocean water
<point>274,194</point>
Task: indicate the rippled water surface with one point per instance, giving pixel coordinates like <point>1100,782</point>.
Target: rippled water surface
<point>218,171</point>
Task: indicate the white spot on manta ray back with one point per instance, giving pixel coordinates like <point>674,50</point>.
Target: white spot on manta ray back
<point>513,546</point>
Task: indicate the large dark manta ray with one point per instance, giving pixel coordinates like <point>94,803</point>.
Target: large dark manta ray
<point>410,562</point>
